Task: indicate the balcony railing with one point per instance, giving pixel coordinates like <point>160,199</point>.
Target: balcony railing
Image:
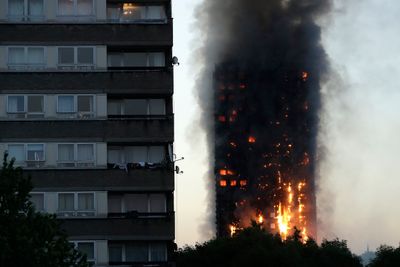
<point>136,214</point>
<point>25,18</point>
<point>75,213</point>
<point>138,264</point>
<point>76,164</point>
<point>26,66</point>
<point>76,67</point>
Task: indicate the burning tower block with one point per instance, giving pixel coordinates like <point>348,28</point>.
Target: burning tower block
<point>265,143</point>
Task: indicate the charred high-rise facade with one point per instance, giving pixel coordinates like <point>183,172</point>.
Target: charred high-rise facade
<point>264,147</point>
<point>264,66</point>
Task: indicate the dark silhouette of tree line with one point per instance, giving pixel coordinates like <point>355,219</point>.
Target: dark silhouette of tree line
<point>256,247</point>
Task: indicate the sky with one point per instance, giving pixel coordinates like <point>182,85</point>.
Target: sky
<point>359,181</point>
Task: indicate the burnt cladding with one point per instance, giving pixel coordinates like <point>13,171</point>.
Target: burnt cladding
<point>266,93</point>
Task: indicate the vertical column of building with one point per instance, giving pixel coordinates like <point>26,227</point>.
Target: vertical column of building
<point>86,109</point>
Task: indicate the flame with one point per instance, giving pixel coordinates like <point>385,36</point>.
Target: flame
<point>283,220</point>
<point>252,139</point>
<point>233,183</point>
<point>232,229</point>
<point>223,183</point>
<point>223,172</point>
<point>304,76</point>
<point>260,219</point>
<point>306,159</point>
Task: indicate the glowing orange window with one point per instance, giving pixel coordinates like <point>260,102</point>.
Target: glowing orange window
<point>243,183</point>
<point>222,118</point>
<point>252,139</point>
<point>233,183</point>
<point>223,183</point>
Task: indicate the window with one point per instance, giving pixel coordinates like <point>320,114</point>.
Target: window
<point>66,204</point>
<point>135,60</point>
<point>85,55</point>
<point>85,155</point>
<point>65,104</point>
<point>137,252</point>
<point>76,204</point>
<point>157,107</point>
<point>66,55</point>
<point>66,155</point>
<point>76,58</point>
<point>87,248</point>
<point>35,106</point>
<point>76,155</point>
<point>143,203</point>
<point>70,107</point>
<point>157,203</point>
<point>158,252</point>
<point>31,106</point>
<point>26,58</point>
<point>136,107</point>
<point>85,204</point>
<point>25,10</point>
<point>130,12</point>
<point>35,152</point>
<point>16,104</point>
<point>136,202</point>
<point>115,252</point>
<point>136,154</point>
<point>85,104</point>
<point>76,8</point>
<point>37,200</point>
<point>32,155</point>
<point>17,151</point>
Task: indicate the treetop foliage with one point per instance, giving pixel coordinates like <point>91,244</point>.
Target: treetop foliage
<point>255,247</point>
<point>386,256</point>
<point>28,237</point>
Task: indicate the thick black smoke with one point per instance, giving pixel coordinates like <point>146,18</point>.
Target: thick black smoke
<point>262,66</point>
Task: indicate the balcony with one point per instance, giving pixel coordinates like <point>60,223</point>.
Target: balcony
<point>141,130</point>
<point>120,228</point>
<point>96,33</point>
<point>145,82</point>
<point>103,179</point>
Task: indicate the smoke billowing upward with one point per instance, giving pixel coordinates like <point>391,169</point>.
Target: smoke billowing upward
<point>259,88</point>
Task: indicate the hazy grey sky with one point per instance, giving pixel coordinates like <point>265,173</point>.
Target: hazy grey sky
<point>360,179</point>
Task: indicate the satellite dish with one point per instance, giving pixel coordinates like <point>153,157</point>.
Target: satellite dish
<point>178,170</point>
<point>175,61</point>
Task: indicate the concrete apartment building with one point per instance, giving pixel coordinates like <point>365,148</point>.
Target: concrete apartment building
<point>86,109</point>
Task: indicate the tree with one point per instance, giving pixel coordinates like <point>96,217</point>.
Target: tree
<point>27,237</point>
<point>386,256</point>
<point>255,247</point>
